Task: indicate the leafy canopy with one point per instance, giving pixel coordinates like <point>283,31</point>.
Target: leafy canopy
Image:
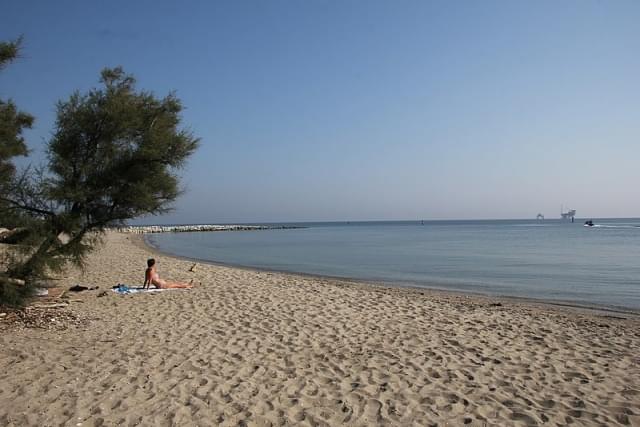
<point>115,152</point>
<point>12,122</point>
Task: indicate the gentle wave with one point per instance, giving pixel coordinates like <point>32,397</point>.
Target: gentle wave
<point>613,226</point>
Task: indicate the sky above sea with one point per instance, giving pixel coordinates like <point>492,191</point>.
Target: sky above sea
<point>356,110</point>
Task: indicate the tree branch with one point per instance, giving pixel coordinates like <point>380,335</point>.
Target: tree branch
<point>31,209</point>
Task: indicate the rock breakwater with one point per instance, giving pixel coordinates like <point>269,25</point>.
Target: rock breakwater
<point>143,229</point>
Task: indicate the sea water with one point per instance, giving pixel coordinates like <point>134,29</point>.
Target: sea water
<point>549,260</point>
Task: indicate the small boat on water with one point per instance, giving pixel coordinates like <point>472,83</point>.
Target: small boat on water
<point>588,223</point>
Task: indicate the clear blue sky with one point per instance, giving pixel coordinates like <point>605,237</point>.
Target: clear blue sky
<point>355,110</point>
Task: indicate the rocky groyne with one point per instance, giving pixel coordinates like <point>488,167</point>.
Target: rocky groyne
<point>144,229</point>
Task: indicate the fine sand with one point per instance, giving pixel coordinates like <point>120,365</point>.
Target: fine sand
<point>257,348</point>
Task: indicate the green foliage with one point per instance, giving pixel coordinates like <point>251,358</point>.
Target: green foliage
<point>114,155</point>
<point>13,296</point>
<point>9,51</point>
<point>12,122</point>
<point>115,152</point>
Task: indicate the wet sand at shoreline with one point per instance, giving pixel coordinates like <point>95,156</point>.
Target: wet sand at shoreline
<point>259,348</point>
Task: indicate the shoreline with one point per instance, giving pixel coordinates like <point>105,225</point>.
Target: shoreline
<point>258,348</point>
<point>142,241</point>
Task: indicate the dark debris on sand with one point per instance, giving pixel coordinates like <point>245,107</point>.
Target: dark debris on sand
<point>54,317</point>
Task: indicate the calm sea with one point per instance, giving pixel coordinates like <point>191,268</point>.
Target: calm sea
<point>550,260</point>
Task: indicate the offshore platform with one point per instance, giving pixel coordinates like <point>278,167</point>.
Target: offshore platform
<point>568,215</point>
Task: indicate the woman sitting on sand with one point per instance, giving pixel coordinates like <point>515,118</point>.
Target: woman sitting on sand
<point>151,277</point>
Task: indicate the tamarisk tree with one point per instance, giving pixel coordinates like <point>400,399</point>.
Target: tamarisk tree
<point>12,124</point>
<point>114,155</point>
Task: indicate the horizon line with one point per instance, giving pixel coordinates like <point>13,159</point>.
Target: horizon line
<point>380,220</point>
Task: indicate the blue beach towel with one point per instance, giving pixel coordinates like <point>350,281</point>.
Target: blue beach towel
<point>123,289</point>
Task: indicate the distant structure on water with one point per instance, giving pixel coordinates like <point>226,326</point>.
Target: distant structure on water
<point>540,217</point>
<point>568,215</point>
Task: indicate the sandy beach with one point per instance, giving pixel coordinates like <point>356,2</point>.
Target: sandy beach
<point>268,349</point>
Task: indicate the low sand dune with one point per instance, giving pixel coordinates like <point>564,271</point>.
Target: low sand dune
<point>259,349</point>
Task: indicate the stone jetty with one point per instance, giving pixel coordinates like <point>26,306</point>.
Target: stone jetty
<point>143,229</point>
